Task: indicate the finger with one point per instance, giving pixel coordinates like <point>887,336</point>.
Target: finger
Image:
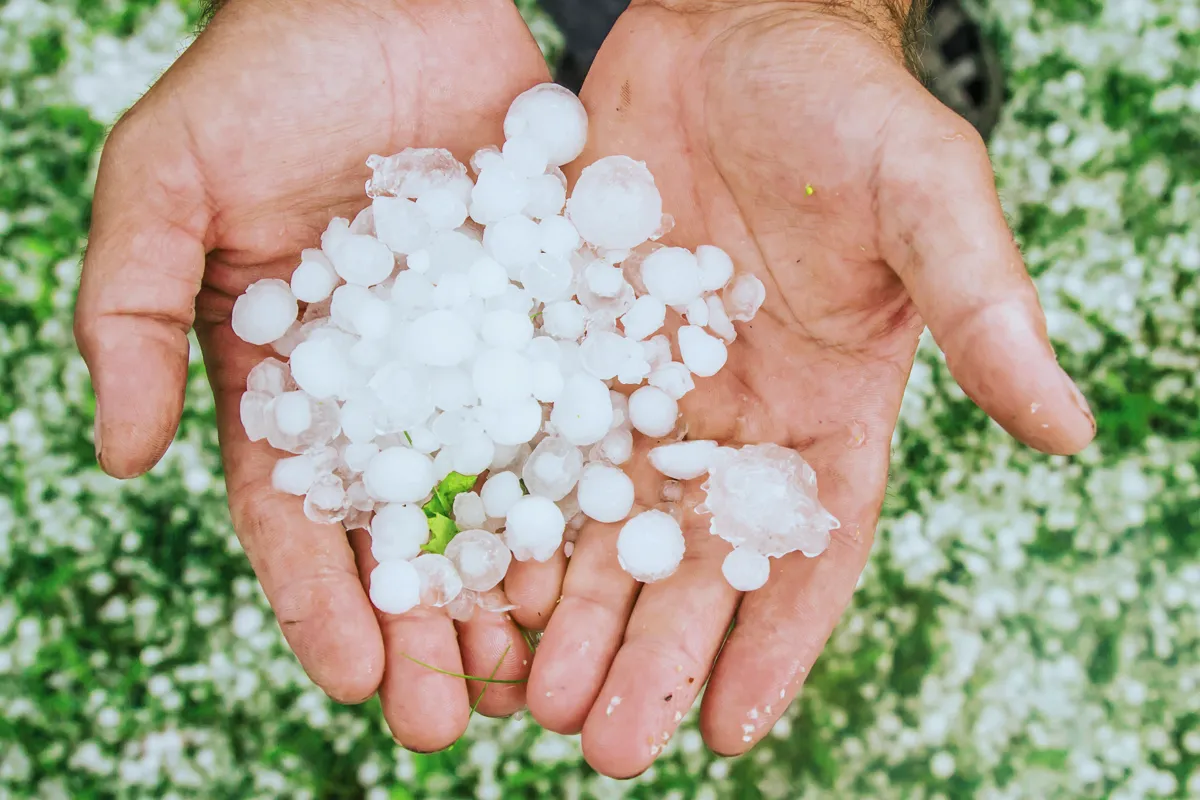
<point>672,638</point>
<point>141,273</point>
<point>493,648</point>
<point>584,632</point>
<point>307,570</point>
<point>534,587</point>
<point>943,231</point>
<point>425,709</point>
<point>782,627</point>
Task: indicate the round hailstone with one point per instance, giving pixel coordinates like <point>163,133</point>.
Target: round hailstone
<point>557,236</point>
<point>506,329</point>
<point>294,475</point>
<point>514,424</point>
<point>604,280</point>
<point>548,278</point>
<point>547,194</point>
<point>398,530</point>
<point>671,275</point>
<point>552,115</point>
<point>525,155</point>
<point>319,367</point>
<point>653,412</point>
<point>357,417</point>
<point>485,157</point>
<point>480,558</point>
<point>617,446</point>
<point>473,455</point>
<point>357,456</point>
<point>265,312</point>
<point>498,193</point>
<point>356,310</point>
<point>615,204</point>
<point>488,277</point>
<point>584,411</point>
<point>534,528</point>
<point>501,377</point>
<point>440,581</point>
<point>441,339</point>
<point>644,318</point>
<point>683,461</point>
<point>468,509</point>
<point>360,259</point>
<point>565,319</point>
<point>395,587</point>
<point>703,354</point>
<point>744,297</point>
<point>499,492</point>
<point>547,381</point>
<point>315,278</point>
<point>716,267</point>
<point>443,208</point>
<point>673,378</point>
<point>293,412</point>
<point>650,546</point>
<point>553,468</point>
<point>745,569</point>
<point>605,493</point>
<point>399,475</point>
<point>604,353</point>
<point>401,225</point>
<point>269,376</point>
<point>513,241</point>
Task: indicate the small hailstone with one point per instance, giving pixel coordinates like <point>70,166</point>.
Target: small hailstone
<point>605,493</point>
<point>356,310</point>
<point>673,378</point>
<point>635,369</point>
<point>615,203</point>
<point>525,155</point>
<point>265,312</point>
<point>253,412</point>
<point>440,581</point>
<point>294,475</point>
<point>485,157</point>
<point>644,318</point>
<point>325,501</point>
<point>443,208</point>
<point>403,394</point>
<point>703,354</point>
<point>293,412</point>
<point>534,528</point>
<point>557,236</point>
<point>481,559</point>
<point>697,312</point>
<point>462,608</point>
<point>683,460</point>
<point>269,376</point>
<point>617,446</point>
<point>395,587</point>
<point>499,492</point>
<point>357,418</point>
<point>716,267</point>
<point>399,475</point>
<point>473,454</point>
<point>319,367</point>
<point>488,277</point>
<point>671,275</point>
<point>603,353</point>
<point>423,440</point>
<point>401,224</point>
<point>564,319</point>
<point>653,412</point>
<point>718,320</point>
<point>512,241</point>
<point>439,338</point>
<point>315,278</point>
<point>603,279</point>
<point>552,115</point>
<point>745,569</point>
<point>620,404</point>
<point>548,278</point>
<point>547,195</point>
<point>583,412</point>
<point>508,330</point>
<point>546,381</point>
<point>513,424</point>
<point>498,193</point>
<point>650,546</point>
<point>357,456</point>
<point>360,259</point>
<point>398,531</point>
<point>744,297</point>
<point>553,468</point>
<point>468,510</point>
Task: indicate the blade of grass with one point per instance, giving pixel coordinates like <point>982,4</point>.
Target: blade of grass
<point>491,679</point>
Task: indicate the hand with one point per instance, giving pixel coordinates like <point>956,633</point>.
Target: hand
<point>220,176</point>
<point>738,108</point>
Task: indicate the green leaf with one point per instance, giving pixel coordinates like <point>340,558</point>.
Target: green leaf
<point>455,484</point>
<point>442,529</point>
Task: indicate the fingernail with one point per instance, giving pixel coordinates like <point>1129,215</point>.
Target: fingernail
<point>96,432</point>
<point>1082,403</point>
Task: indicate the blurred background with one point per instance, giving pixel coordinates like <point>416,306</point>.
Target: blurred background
<point>1028,626</point>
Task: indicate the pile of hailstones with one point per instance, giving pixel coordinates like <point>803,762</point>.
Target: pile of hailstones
<point>474,327</point>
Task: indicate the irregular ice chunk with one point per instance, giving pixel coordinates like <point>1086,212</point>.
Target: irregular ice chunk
<point>683,460</point>
<point>673,378</point>
<point>744,297</point>
<point>764,497</point>
<point>480,558</point>
<point>395,587</point>
<point>745,569</point>
<point>534,528</point>
<point>468,509</point>
<point>416,171</point>
<point>552,115</point>
<point>703,354</point>
<point>616,447</point>
<point>644,318</point>
<point>265,312</point>
<point>401,225</point>
<point>440,581</point>
<point>615,203</point>
<point>718,320</point>
<point>254,415</point>
<point>650,546</point>
<point>605,493</point>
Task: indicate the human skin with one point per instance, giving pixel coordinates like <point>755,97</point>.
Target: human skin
<point>738,109</point>
<point>232,164</point>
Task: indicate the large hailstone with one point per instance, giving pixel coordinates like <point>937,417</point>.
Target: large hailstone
<point>552,116</point>
<point>615,204</point>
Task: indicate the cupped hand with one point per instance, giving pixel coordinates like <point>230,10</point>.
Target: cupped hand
<point>792,135</point>
<point>230,166</point>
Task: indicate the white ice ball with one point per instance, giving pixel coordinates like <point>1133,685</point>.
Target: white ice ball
<point>398,531</point>
<point>653,412</point>
<point>617,446</point>
<point>565,319</point>
<point>506,329</point>
<point>468,510</point>
<point>526,155</point>
<point>513,241</point>
<point>673,378</point>
<point>683,461</point>
<point>744,297</point>
<point>319,367</point>
<point>557,236</point>
<point>265,312</point>
<point>488,277</point>
<point>399,475</point>
<point>746,569</point>
<point>650,546</point>
<point>552,115</point>
<point>499,492</point>
<point>547,194</point>
<point>293,412</point>
<point>716,267</point>
<point>401,224</point>
<point>702,353</point>
<point>502,377</point>
<point>481,559</point>
<point>294,475</point>
<point>534,528</point>
<point>583,412</point>
<point>513,424</point>
<point>605,493</point>
<point>443,208</point>
<point>498,193</point>
<point>644,318</point>
<point>395,587</point>
<point>315,278</point>
<point>615,204</point>
<point>671,275</point>
<point>360,259</point>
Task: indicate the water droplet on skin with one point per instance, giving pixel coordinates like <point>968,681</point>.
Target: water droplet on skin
<point>858,435</point>
<point>1033,407</point>
<point>957,137</point>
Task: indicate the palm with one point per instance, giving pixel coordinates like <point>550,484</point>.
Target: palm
<point>237,160</point>
<point>736,120</point>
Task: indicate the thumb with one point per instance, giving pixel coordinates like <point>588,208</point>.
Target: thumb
<point>141,274</point>
<point>942,230</point>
